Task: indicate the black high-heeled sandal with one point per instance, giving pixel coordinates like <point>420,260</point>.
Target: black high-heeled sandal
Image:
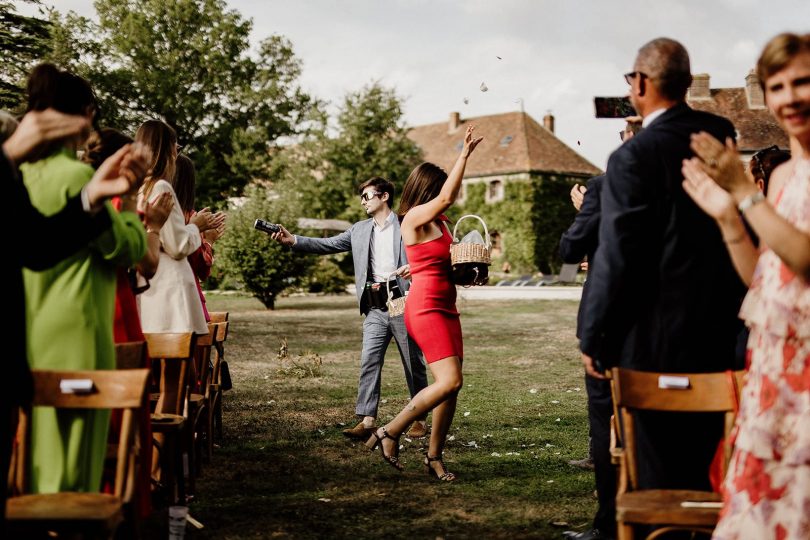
<point>446,476</point>
<point>375,440</point>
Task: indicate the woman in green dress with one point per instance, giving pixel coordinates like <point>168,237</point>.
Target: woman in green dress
<point>69,307</point>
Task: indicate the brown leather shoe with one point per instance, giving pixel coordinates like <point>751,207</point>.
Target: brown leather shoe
<point>360,431</point>
<point>417,430</point>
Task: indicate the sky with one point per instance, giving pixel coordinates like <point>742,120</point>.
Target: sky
<point>542,55</point>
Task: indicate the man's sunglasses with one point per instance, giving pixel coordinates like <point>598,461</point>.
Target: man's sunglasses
<point>368,195</point>
<point>758,156</point>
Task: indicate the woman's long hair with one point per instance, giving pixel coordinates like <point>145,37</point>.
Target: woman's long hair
<point>102,144</point>
<point>52,88</point>
<point>184,183</point>
<point>423,184</point>
<point>161,139</point>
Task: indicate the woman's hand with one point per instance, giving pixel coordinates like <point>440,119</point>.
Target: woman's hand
<point>119,174</point>
<point>722,163</point>
<point>212,235</point>
<point>39,127</point>
<point>157,212</point>
<point>470,142</point>
<point>709,196</point>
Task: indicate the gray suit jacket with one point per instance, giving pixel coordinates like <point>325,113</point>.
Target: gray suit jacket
<point>356,239</point>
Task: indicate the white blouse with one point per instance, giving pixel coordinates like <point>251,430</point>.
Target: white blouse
<point>172,302</point>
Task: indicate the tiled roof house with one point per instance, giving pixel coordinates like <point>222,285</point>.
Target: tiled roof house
<point>518,181</point>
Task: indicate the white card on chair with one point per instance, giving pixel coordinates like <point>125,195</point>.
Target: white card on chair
<point>76,386</point>
<point>673,382</point>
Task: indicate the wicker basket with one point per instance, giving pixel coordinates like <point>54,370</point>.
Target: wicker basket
<point>396,306</point>
<point>463,252</point>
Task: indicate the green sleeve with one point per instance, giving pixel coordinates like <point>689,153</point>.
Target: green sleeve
<point>124,243</point>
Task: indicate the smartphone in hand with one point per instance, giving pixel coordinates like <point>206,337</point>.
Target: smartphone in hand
<point>266,226</point>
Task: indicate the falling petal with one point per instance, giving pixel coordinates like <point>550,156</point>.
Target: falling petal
<point>557,420</point>
<point>498,57</point>
<point>466,413</point>
<point>578,143</point>
<point>533,391</point>
<point>466,102</point>
<point>483,87</point>
<point>555,401</point>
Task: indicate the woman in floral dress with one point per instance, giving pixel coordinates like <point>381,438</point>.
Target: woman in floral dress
<point>767,489</point>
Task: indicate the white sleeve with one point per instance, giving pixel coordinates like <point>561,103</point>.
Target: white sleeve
<point>177,239</point>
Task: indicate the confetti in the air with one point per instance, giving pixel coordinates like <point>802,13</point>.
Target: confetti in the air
<point>466,101</point>
<point>483,87</point>
<point>498,57</point>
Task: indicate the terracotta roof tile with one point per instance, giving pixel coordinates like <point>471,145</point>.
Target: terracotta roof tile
<point>756,127</point>
<point>514,142</point>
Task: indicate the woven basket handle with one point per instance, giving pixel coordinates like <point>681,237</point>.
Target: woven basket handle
<point>486,231</point>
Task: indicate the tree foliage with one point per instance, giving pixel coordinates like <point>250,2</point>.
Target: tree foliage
<point>23,41</point>
<point>190,63</point>
<point>321,174</point>
<point>264,266</point>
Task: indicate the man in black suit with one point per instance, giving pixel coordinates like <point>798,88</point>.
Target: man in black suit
<point>577,243</point>
<point>663,293</point>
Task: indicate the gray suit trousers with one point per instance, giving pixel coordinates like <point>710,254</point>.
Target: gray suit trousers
<point>378,329</point>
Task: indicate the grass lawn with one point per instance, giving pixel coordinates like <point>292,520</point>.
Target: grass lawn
<point>284,469</point>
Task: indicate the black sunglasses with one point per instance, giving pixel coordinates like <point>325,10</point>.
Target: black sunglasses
<point>759,155</point>
<point>628,77</point>
<point>368,195</point>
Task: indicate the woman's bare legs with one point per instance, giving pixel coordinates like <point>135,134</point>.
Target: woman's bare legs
<point>439,396</point>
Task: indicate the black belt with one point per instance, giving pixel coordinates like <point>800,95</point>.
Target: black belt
<point>375,294</point>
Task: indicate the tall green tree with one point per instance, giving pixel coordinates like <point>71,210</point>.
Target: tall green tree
<point>321,174</point>
<point>190,63</point>
<point>23,41</point>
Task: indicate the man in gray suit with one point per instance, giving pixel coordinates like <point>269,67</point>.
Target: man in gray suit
<point>378,253</point>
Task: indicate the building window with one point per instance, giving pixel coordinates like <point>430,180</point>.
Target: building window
<point>497,247</point>
<point>495,191</point>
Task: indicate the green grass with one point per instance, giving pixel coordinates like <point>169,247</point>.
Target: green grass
<point>283,454</point>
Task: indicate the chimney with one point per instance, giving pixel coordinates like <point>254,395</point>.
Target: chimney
<point>454,123</point>
<point>699,89</point>
<point>753,91</point>
<point>548,121</point>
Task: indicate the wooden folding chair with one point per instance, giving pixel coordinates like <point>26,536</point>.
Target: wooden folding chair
<point>668,509</point>
<point>174,354</point>
<point>215,418</point>
<point>199,402</point>
<point>91,514</point>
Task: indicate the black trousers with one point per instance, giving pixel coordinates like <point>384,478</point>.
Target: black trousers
<point>600,408</point>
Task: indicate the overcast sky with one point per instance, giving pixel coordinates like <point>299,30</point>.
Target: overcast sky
<point>554,55</point>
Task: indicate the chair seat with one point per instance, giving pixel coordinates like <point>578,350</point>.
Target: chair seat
<point>162,422</point>
<point>65,510</point>
<point>195,399</point>
<point>653,506</point>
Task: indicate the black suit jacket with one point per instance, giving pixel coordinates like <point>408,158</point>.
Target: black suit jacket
<point>664,295</point>
<point>582,237</point>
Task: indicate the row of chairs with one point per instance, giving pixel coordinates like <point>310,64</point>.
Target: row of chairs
<point>666,510</point>
<point>190,388</point>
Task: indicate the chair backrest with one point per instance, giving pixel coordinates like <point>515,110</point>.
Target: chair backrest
<point>202,357</point>
<point>130,355</point>
<point>672,392</point>
<point>219,346</point>
<point>174,352</point>
<point>218,316</point>
<point>114,389</point>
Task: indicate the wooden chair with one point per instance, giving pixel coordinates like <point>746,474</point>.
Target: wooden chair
<point>199,401</point>
<point>215,388</point>
<point>638,390</point>
<point>91,514</point>
<point>174,354</point>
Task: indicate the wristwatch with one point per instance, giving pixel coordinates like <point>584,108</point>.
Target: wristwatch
<point>750,201</point>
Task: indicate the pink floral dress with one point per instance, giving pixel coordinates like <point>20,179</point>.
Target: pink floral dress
<point>767,489</point>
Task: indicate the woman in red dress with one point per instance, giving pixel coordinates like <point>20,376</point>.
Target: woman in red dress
<point>430,311</point>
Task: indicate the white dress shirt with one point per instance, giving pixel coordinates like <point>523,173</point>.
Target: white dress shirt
<point>652,116</point>
<point>383,260</point>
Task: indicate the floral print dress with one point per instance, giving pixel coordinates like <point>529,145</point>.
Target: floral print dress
<point>767,489</point>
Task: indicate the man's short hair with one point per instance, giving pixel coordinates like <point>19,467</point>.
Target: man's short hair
<point>666,62</point>
<point>379,184</point>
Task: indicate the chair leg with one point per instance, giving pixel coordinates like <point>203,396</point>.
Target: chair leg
<point>624,531</point>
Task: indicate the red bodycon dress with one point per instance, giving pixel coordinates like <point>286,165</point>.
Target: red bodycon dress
<point>430,311</point>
